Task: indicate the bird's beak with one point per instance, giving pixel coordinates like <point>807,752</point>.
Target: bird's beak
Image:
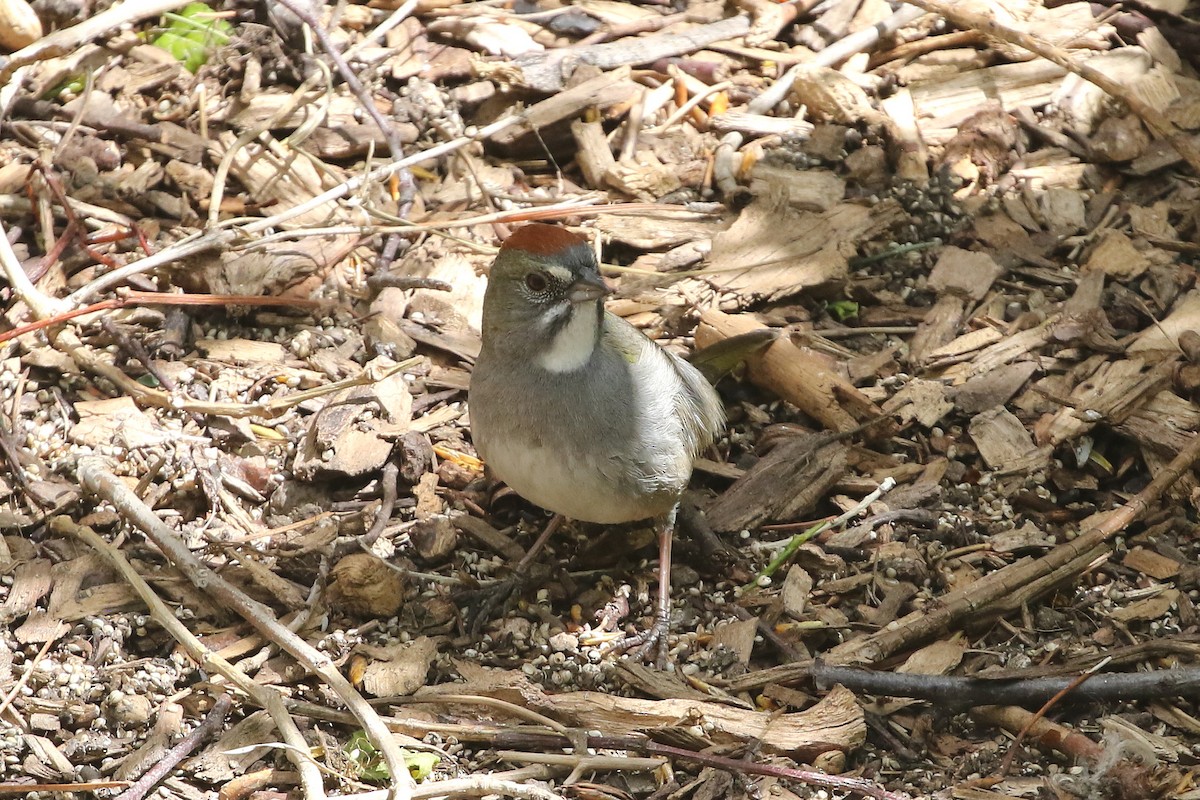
<point>584,290</point>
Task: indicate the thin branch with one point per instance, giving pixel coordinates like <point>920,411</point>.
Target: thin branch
<point>41,304</point>
<point>265,696</point>
<point>963,692</point>
<point>305,14</point>
<point>186,746</point>
<point>96,477</point>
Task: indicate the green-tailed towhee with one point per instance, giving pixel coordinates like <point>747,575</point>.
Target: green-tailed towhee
<point>577,410</point>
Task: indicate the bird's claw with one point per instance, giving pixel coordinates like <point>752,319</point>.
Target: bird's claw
<point>649,646</point>
<point>500,595</point>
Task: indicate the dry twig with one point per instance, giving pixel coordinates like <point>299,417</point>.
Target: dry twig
<point>979,598</point>
<point>96,477</point>
<point>264,696</point>
<point>211,725</point>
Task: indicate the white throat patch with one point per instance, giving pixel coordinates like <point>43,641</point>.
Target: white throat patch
<point>573,344</point>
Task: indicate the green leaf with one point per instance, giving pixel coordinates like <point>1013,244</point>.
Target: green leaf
<point>371,764</point>
<point>192,34</point>
<point>73,84</point>
<point>842,310</point>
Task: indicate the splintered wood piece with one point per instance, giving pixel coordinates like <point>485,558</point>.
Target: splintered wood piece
<point>218,765</point>
<point>835,723</point>
<point>593,154</point>
<point>274,179</point>
<point>601,92</point>
<point>911,155</point>
<point>1116,255</point>
<point>1004,442</point>
<point>921,400</point>
<point>69,601</point>
<point>797,374</point>
<point>643,176</point>
<point>648,230</point>
<point>943,105</point>
<point>773,251</point>
<point>547,72</point>
<point>1165,335</point>
<point>1109,396</point>
<point>994,388</point>
<point>398,670</point>
<point>31,581</point>
<point>786,484</point>
<point>1163,423</point>
<point>938,328</point>
<point>995,349</point>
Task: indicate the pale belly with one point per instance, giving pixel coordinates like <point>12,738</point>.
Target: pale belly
<point>577,487</point>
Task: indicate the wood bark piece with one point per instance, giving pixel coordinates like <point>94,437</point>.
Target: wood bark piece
<point>1004,443</point>
<point>1110,395</point>
<point>593,154</point>
<point>601,91</point>
<point>773,250</point>
<point>548,71</point>
<point>786,484</point>
<point>797,374</point>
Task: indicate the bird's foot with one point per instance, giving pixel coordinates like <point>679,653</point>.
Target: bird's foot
<point>649,646</point>
<point>496,598</point>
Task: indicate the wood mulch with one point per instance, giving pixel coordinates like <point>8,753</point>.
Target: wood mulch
<point>947,548</point>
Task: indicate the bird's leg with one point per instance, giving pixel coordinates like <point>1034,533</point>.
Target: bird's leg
<point>500,594</point>
<point>551,528</point>
<point>653,640</point>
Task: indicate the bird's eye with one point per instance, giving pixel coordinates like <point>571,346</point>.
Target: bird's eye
<point>536,282</point>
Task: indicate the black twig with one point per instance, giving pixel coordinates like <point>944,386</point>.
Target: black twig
<point>211,725</point>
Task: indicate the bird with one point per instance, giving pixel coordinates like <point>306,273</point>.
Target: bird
<point>577,410</point>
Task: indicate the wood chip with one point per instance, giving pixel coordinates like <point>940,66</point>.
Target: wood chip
<point>1003,441</point>
<point>399,669</point>
<point>1151,608</point>
<point>1151,563</point>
